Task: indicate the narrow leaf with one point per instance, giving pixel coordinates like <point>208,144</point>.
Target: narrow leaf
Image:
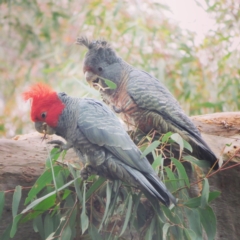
<point>150,148</point>
<point>205,193</point>
<point>166,137</point>
<point>196,202</point>
<point>54,155</point>
<point>187,146</point>
<point>165,230</point>
<point>67,232</point>
<point>128,215</point>
<point>16,200</point>
<point>51,236</point>
<point>189,234</point>
<point>84,217</point>
<point>181,170</point>
<point>15,225</point>
<point>157,162</point>
<point>193,218</point>
<point>208,221</point>
<point>41,182</point>
<point>109,193</point>
<point>37,201</point>
<point>172,178</point>
<point>213,195</point>
<point>109,83</point>
<point>151,229</point>
<point>48,225</point>
<point>93,232</point>
<point>170,215</point>
<point>200,163</point>
<point>6,233</point>
<point>96,185</point>
<point>2,202</point>
<point>78,190</point>
<point>38,226</point>
<point>178,139</point>
<point>45,204</point>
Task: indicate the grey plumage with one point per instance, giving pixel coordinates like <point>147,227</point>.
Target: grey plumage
<point>142,100</point>
<point>99,139</point>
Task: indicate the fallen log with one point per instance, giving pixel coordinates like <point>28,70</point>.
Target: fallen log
<point>23,157</point>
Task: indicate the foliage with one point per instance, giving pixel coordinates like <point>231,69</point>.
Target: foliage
<point>63,206</point>
<point>38,44</point>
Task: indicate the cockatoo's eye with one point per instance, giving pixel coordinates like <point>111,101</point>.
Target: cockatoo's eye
<point>100,69</point>
<point>43,115</point>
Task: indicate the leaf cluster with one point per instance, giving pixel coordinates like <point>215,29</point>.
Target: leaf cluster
<point>63,206</point>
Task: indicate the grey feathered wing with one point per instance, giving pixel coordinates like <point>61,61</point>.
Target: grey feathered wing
<point>101,126</point>
<point>149,94</point>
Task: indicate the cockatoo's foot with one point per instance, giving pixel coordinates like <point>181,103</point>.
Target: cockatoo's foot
<point>87,171</point>
<point>60,145</point>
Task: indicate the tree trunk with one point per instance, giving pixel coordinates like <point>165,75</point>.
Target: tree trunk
<point>23,157</point>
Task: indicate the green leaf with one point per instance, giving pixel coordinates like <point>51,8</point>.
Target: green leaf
<point>66,193</point>
<point>187,146</point>
<point>196,202</point>
<point>54,155</point>
<point>189,234</point>
<point>38,226</point>
<point>205,193</point>
<point>208,221</point>
<point>109,83</point>
<point>84,217</point>
<point>109,193</point>
<point>15,225</point>
<point>213,195</point>
<point>128,215</point>
<point>193,219</point>
<point>157,162</point>
<point>172,178</point>
<point>51,236</point>
<point>31,215</point>
<point>2,202</point>
<point>45,204</point>
<point>6,233</point>
<point>150,148</point>
<point>48,225</point>
<point>42,181</point>
<point>67,233</point>
<point>93,232</point>
<point>166,137</point>
<point>165,230</point>
<point>181,170</point>
<point>151,229</point>
<point>16,200</point>
<point>178,139</point>
<point>170,215</point>
<point>200,163</point>
<point>37,201</point>
<point>96,185</point>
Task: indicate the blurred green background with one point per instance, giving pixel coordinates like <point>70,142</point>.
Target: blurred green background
<point>38,37</point>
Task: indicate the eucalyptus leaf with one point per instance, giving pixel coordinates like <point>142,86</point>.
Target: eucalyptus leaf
<point>208,221</point>
<point>2,201</point>
<point>84,217</point>
<point>128,215</point>
<point>150,148</point>
<point>37,201</point>
<point>181,170</point>
<point>205,193</point>
<point>41,182</point>
<point>178,139</point>
<point>16,200</point>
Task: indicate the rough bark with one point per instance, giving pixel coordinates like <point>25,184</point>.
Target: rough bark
<point>22,161</point>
